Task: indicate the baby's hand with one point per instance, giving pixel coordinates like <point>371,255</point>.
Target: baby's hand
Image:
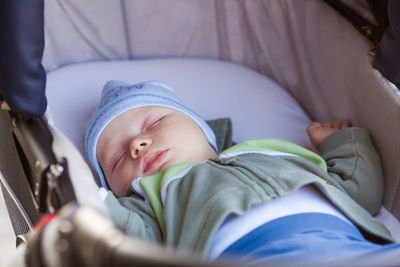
<point>318,131</point>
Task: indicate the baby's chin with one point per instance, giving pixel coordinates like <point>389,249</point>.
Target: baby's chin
<point>121,190</point>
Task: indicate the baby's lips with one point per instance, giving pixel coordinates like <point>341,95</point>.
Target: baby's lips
<point>153,160</point>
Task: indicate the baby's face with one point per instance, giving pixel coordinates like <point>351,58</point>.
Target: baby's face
<point>147,140</point>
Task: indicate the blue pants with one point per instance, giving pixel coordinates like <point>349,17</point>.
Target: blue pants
<point>312,239</point>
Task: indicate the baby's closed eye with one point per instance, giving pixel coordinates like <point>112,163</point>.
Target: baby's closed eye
<point>153,122</point>
<point>117,158</point>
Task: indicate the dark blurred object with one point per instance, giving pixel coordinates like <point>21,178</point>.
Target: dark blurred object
<point>33,180</point>
<point>22,76</point>
<point>385,35</point>
<point>70,240</point>
<point>387,56</point>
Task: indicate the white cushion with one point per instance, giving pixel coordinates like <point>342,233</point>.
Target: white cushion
<point>258,107</point>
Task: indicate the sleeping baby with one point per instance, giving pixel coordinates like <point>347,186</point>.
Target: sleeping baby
<point>172,182</point>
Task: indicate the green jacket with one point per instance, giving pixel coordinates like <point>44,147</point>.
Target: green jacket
<point>184,205</point>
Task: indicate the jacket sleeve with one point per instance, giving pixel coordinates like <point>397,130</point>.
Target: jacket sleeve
<point>354,166</point>
<point>134,217</point>
<point>22,75</point>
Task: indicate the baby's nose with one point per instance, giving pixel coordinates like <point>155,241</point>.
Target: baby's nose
<point>137,145</point>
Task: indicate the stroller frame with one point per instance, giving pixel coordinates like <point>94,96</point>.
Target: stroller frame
<point>44,184</point>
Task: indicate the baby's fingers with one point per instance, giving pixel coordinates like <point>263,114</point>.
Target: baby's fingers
<point>331,124</point>
<point>327,124</point>
<point>335,125</point>
<point>315,124</point>
<point>344,124</point>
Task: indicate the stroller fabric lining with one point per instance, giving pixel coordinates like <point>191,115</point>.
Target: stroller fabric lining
<point>305,46</point>
<point>319,66</point>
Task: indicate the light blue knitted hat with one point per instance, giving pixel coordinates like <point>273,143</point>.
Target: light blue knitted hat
<point>118,97</point>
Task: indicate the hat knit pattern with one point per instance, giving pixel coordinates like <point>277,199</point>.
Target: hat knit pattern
<point>118,97</point>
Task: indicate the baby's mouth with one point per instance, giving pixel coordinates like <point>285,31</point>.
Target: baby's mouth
<point>153,161</point>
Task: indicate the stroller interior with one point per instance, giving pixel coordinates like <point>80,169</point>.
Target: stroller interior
<point>284,62</point>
